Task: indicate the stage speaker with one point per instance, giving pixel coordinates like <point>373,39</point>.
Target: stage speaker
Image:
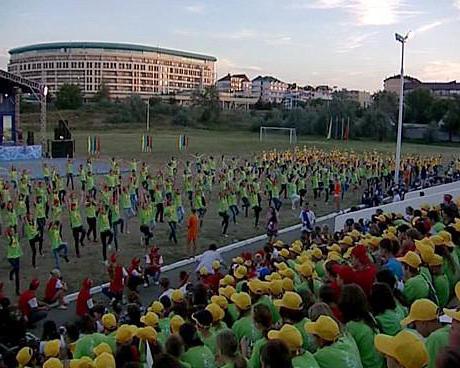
<point>62,149</point>
<point>30,138</point>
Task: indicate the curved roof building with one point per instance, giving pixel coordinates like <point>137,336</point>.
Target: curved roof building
<point>124,68</point>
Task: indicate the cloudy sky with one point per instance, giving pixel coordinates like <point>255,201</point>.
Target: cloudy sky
<point>345,43</point>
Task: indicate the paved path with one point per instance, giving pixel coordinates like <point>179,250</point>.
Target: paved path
<point>147,295</point>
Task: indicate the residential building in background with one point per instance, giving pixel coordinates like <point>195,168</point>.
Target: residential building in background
<point>439,89</point>
<point>239,84</point>
<point>268,89</point>
<point>125,69</point>
<point>361,97</point>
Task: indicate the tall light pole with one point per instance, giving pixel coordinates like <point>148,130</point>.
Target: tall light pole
<point>147,119</point>
<point>403,40</point>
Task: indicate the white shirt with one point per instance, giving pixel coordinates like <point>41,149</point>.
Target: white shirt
<point>206,260</point>
<point>311,217</point>
<point>166,293</point>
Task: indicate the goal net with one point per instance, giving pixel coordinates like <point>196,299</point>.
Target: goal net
<point>270,132</point>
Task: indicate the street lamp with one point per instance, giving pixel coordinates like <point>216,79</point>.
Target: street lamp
<point>403,40</point>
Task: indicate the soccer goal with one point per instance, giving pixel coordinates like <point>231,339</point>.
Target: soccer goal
<point>264,133</point>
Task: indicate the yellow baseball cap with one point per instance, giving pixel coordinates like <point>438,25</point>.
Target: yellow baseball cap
<point>289,335</point>
<point>406,348</point>
<point>290,300</point>
<point>109,321</point>
<point>227,291</point>
<point>175,322</point>
<point>347,240</point>
<point>412,259</point>
<point>316,253</point>
<point>437,240</point>
<point>83,362</point>
<point>288,284</point>
<point>53,363</point>
<point>421,310</point>
<point>334,256</point>
<point>273,276</point>
<point>103,347</point>
<point>296,248</point>
<point>280,265</point>
<point>447,238</point>
<point>424,249</point>
<point>147,333</point>
<point>287,272</point>
<point>217,312</point>
<point>24,356</point>
<point>203,271</point>
<point>278,244</point>
<point>105,360</point>
<point>52,348</point>
<point>177,296</point>
<point>257,286</point>
<point>227,280</point>
<point>238,260</point>
<point>305,269</point>
<point>284,253</point>
<point>452,313</point>
<point>220,300</point>
<point>241,300</point>
<point>435,260</point>
<point>334,248</point>
<point>125,333</point>
<point>325,327</point>
<point>276,287</point>
<point>150,319</point>
<point>241,272</point>
<point>157,308</point>
<point>215,265</point>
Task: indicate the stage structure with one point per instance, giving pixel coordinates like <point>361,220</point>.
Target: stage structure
<point>12,140</point>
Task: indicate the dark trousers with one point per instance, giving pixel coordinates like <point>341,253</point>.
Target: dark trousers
<point>257,211</point>
<point>159,213</point>
<point>70,180</point>
<point>91,221</point>
<point>41,222</point>
<point>235,212</point>
<point>147,234</point>
<point>33,247</point>
<point>172,231</point>
<point>78,236</point>
<point>225,218</point>
<point>106,238</point>
<point>14,272</point>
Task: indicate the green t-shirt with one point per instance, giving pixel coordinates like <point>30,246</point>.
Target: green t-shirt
<point>86,344</point>
<point>30,230</point>
<point>75,218</point>
<point>306,360</point>
<point>342,354</point>
<point>416,288</point>
<point>55,238</point>
<point>265,300</point>
<point>245,327</point>
<point>435,342</point>
<point>442,288</point>
<point>199,357</point>
<point>90,210</point>
<point>233,312</point>
<point>254,361</point>
<point>103,222</point>
<point>308,341</point>
<point>390,321</point>
<point>209,341</point>
<point>364,338</point>
<point>14,248</point>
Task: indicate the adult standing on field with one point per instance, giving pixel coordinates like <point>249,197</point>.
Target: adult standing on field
<point>192,232</point>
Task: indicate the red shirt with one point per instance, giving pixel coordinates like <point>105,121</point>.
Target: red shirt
<point>84,302</point>
<point>24,302</point>
<point>51,290</point>
<point>364,277</point>
<point>117,283</point>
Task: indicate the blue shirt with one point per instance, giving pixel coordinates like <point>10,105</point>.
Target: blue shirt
<point>395,266</point>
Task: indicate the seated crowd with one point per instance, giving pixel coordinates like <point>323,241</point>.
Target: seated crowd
<point>381,294</point>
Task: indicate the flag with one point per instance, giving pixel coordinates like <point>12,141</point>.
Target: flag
<point>148,357</point>
<point>329,132</point>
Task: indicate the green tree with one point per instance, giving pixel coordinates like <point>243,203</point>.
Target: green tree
<point>207,101</point>
<point>103,94</point>
<point>69,97</point>
<point>452,119</point>
<point>418,107</point>
<point>439,109</point>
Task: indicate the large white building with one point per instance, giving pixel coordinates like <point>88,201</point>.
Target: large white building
<point>269,89</point>
<point>238,84</point>
<point>445,90</point>
<point>124,68</point>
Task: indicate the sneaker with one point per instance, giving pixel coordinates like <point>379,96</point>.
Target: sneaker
<point>146,285</point>
<point>157,283</point>
<point>62,307</point>
<point>66,259</point>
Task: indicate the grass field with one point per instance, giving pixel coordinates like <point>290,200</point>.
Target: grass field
<point>126,144</point>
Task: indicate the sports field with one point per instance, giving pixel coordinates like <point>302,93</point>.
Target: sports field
<point>126,144</point>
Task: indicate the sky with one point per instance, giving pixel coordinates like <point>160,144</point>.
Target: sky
<point>344,43</point>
